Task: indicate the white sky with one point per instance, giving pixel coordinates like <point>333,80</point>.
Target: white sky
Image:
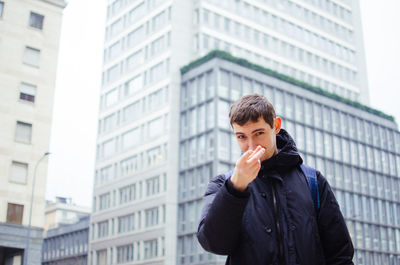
<point>73,139</point>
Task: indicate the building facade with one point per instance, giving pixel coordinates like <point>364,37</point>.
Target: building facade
<point>135,202</point>
<point>28,51</point>
<point>357,150</point>
<point>62,212</point>
<point>67,244</point>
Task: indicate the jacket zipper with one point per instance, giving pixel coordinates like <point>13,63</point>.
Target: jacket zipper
<point>278,227</point>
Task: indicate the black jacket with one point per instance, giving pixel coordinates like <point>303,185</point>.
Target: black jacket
<point>274,221</point>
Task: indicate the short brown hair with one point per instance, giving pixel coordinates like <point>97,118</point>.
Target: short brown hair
<point>251,108</point>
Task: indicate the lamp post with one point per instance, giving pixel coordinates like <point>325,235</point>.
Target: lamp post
<point>28,236</point>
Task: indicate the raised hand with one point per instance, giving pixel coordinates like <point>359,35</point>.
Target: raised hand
<point>247,167</point>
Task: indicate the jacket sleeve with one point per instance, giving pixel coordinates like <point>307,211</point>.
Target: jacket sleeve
<point>221,219</point>
<point>335,238</point>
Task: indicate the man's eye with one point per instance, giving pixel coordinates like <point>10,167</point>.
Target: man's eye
<point>240,136</point>
<point>259,133</point>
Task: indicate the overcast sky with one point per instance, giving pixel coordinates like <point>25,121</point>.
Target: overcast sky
<point>73,138</point>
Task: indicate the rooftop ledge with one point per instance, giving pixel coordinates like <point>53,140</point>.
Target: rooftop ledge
<point>245,63</point>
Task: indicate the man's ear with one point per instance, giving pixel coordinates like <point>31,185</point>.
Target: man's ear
<point>277,124</point>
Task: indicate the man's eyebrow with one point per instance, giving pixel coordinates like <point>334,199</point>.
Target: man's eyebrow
<point>258,130</point>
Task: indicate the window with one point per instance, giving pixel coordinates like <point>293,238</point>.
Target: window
<point>109,148</point>
<point>134,85</point>
<point>137,13</point>
<point>27,92</point>
<point>151,216</point>
<point>129,165</point>
<point>132,112</point>
<point>19,172</point>
<point>31,56</point>
<point>23,132</point>
<point>125,253</point>
<point>15,213</point>
<point>111,97</point>
<point>135,60</point>
<point>104,201</point>
<point>127,194</point>
<point>131,138</point>
<point>36,20</point>
<point>126,223</point>
<point>102,229</point>
<point>102,257</point>
<point>152,186</point>
<point>150,249</point>
<point>155,127</point>
<point>136,36</point>
<point>1,9</point>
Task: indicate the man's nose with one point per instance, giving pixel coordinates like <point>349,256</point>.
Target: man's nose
<point>252,145</point>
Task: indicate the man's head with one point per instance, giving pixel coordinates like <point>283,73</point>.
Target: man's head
<point>254,123</point>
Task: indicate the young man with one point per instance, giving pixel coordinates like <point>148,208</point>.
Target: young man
<point>263,213</point>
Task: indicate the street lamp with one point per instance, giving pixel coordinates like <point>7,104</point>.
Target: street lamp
<point>28,236</point>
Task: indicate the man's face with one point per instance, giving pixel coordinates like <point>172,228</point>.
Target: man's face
<point>252,134</point>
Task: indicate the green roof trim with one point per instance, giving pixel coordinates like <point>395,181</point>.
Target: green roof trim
<point>245,63</point>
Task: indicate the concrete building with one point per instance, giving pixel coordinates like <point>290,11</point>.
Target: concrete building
<point>135,203</point>
<point>355,147</point>
<point>62,212</point>
<point>28,50</point>
<point>67,244</point>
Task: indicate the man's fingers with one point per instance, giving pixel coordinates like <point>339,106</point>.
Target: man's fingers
<point>254,152</point>
<point>245,155</point>
<point>257,155</point>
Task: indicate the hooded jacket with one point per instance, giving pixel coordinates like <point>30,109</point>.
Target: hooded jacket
<point>274,220</point>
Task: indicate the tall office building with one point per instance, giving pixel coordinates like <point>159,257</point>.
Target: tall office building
<point>28,50</point>
<point>356,148</point>
<point>135,204</point>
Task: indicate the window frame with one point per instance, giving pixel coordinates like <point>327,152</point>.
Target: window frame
<point>34,23</point>
<point>20,218</point>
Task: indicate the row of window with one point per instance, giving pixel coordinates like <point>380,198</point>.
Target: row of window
<point>135,251</point>
<point>374,237</point>
<point>294,54</point>
<point>35,20</point>
<point>134,111</point>
<point>117,6</point>
<point>132,192</point>
<point>368,208</point>
<point>363,257</point>
<point>282,26</point>
<point>155,72</point>
<point>333,8</point>
<point>190,251</point>
<point>137,36</point>
<point>132,164</point>
<point>65,245</point>
<point>311,79</point>
<point>189,214</point>
<point>231,86</point>
<point>260,15</point>
<point>153,24</point>
<point>193,182</point>
<point>133,138</point>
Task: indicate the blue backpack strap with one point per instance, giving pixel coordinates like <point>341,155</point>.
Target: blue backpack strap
<point>311,176</point>
<point>228,174</point>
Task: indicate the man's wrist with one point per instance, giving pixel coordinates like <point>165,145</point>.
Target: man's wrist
<point>240,187</point>
<point>235,192</point>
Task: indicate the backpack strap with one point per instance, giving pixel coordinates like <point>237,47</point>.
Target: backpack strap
<point>311,176</point>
